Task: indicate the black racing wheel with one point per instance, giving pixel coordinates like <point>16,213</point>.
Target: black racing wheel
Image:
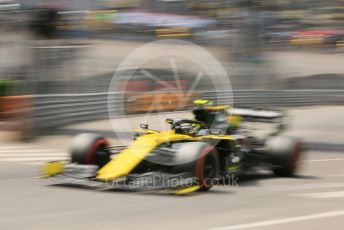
<point>285,155</point>
<point>90,149</point>
<point>201,160</point>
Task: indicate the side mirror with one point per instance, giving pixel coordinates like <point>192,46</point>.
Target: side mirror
<point>169,121</point>
<point>144,126</point>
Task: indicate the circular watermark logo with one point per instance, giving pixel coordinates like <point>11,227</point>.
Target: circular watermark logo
<point>159,80</point>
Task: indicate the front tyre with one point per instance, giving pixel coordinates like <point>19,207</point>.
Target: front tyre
<point>90,149</point>
<point>207,169</point>
<point>201,160</point>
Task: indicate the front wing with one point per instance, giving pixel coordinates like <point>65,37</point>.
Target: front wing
<point>84,175</point>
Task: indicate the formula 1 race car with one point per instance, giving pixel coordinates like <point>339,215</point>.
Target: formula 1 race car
<point>194,154</point>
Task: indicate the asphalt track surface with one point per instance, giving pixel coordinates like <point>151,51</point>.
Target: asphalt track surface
<point>312,200</point>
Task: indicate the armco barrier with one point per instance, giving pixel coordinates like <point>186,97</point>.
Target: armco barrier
<point>61,109</point>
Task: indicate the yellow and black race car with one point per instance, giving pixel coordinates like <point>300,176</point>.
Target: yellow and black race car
<point>195,154</point>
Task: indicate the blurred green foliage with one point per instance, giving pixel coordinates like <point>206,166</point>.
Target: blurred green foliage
<point>10,87</point>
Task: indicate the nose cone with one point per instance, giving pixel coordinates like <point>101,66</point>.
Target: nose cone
<point>128,159</point>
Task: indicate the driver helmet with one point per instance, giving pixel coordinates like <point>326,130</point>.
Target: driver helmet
<point>188,129</point>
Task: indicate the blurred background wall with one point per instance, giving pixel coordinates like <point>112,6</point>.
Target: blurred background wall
<point>73,47</point>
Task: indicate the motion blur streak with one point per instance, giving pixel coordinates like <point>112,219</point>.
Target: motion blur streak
<point>283,221</point>
<point>58,59</point>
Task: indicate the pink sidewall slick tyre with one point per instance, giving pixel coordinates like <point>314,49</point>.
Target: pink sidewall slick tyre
<point>201,160</point>
<point>90,149</point>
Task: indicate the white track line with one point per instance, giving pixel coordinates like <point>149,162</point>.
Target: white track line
<point>334,175</point>
<point>296,187</point>
<point>324,160</point>
<point>322,195</point>
<point>34,159</point>
<point>40,163</point>
<point>27,151</point>
<point>9,155</point>
<point>12,147</point>
<point>282,220</point>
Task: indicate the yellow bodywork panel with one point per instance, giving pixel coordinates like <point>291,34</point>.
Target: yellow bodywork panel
<point>52,168</point>
<point>218,107</point>
<point>215,137</point>
<point>129,158</point>
<point>234,120</point>
<point>146,131</point>
<point>187,190</point>
<point>202,102</point>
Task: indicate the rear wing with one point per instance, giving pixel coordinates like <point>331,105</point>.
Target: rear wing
<point>258,115</point>
<point>276,117</point>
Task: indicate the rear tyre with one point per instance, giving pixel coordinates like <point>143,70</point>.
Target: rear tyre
<point>285,155</point>
<point>90,149</point>
<point>201,160</point>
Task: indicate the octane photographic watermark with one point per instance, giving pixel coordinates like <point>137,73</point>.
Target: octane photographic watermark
<point>160,181</point>
<point>161,77</point>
